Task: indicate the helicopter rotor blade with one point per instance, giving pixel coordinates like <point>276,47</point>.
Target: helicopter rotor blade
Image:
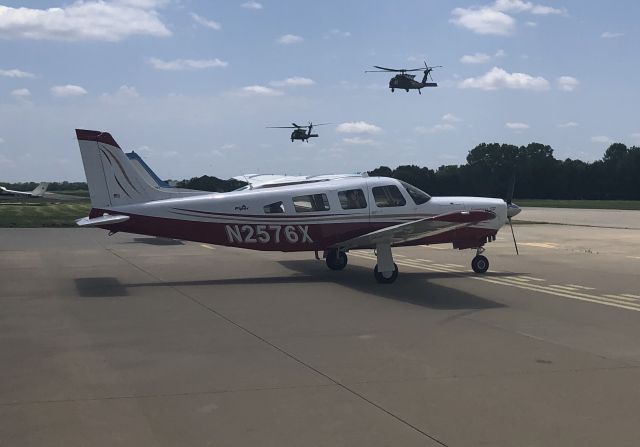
<point>281,127</point>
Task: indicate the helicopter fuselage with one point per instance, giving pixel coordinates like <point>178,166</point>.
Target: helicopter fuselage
<point>407,82</point>
<point>302,134</point>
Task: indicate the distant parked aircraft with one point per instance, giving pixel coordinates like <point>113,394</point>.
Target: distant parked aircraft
<point>38,192</point>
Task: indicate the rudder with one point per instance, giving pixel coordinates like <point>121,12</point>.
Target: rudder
<point>111,178</point>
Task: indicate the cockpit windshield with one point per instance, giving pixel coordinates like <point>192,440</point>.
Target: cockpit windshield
<point>418,196</point>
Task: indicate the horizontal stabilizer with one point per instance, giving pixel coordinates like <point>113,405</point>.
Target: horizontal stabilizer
<point>102,220</point>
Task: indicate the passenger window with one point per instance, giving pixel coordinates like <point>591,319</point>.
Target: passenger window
<point>388,196</point>
<point>312,202</point>
<point>274,208</point>
<point>352,199</point>
<point>418,196</point>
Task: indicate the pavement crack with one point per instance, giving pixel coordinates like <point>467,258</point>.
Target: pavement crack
<point>288,354</point>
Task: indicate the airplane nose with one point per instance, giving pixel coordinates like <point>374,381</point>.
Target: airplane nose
<point>513,210</point>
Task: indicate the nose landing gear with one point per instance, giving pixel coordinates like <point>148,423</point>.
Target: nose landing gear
<point>480,264</point>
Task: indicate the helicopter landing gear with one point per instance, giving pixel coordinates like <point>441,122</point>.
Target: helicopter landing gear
<point>419,92</point>
<point>480,264</point>
<point>336,259</point>
<point>393,89</point>
<point>406,90</point>
<point>385,271</point>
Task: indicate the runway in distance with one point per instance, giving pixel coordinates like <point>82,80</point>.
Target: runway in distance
<point>331,215</point>
<point>37,192</point>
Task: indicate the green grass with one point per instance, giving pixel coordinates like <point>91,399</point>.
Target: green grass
<point>587,204</point>
<point>42,214</point>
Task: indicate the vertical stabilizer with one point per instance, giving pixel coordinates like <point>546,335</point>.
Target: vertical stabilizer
<point>111,178</point>
<point>40,190</point>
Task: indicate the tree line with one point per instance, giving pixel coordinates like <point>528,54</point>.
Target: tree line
<point>487,172</point>
<point>539,175</point>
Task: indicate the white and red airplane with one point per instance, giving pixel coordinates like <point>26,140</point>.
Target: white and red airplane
<point>37,192</point>
<point>331,214</point>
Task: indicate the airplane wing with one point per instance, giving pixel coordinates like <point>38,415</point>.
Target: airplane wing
<point>102,220</point>
<point>418,229</point>
<point>9,191</point>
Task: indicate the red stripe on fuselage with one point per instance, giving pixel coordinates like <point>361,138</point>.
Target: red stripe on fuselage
<point>305,237</point>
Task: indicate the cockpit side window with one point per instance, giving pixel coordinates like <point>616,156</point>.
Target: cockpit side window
<point>312,202</point>
<point>352,199</point>
<point>388,196</point>
<point>417,195</point>
<point>274,208</point>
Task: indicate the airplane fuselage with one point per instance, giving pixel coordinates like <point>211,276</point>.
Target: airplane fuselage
<point>306,217</point>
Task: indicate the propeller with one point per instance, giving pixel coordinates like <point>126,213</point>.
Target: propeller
<point>512,208</point>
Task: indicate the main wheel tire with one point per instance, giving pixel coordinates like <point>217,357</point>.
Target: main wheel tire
<point>336,260</point>
<point>480,264</point>
<point>384,280</point>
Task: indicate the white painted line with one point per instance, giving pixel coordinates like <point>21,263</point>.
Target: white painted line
<point>539,245</point>
<point>207,246</point>
<point>454,265</point>
<point>520,278</point>
<point>633,257</point>
<point>577,286</point>
<point>557,286</point>
<point>620,297</point>
<point>533,278</point>
<point>630,295</point>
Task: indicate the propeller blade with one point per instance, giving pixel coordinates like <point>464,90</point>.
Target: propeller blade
<point>511,187</point>
<point>322,124</point>
<point>295,125</point>
<point>515,244</point>
<point>280,127</point>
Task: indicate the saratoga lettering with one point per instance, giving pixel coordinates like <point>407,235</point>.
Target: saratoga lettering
<point>263,234</point>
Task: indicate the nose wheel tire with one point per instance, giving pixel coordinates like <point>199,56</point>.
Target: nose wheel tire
<point>336,260</point>
<point>480,264</point>
<point>387,277</point>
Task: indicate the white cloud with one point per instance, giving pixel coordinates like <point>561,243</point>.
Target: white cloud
<point>483,21</point>
<point>531,24</point>
<point>336,33</point>
<point>493,19</point>
<point>21,93</point>
<point>252,5</point>
<point>476,58</point>
<point>441,127</point>
<point>261,90</point>
<point>567,83</point>
<point>186,64</point>
<point>481,58</point>
<point>15,73</point>
<point>295,81</point>
<point>84,20</point>
<point>568,124</point>
<point>451,118</point>
<point>358,141</point>
<point>289,39</point>
<point>610,35</point>
<point>601,139</point>
<point>205,22</point>
<point>123,94</point>
<point>358,127</point>
<point>522,6</point>
<point>63,91</point>
<point>497,78</point>
<point>517,126</point>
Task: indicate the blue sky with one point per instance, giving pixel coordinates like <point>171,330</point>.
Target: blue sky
<point>191,85</point>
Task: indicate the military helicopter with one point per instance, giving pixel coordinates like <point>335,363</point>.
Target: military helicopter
<point>302,133</point>
<point>407,81</point>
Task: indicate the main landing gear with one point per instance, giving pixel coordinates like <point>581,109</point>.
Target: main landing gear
<point>385,271</point>
<point>480,264</point>
<point>336,259</point>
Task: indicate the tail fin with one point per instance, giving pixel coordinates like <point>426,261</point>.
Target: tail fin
<point>111,178</point>
<point>145,170</point>
<point>40,190</point>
